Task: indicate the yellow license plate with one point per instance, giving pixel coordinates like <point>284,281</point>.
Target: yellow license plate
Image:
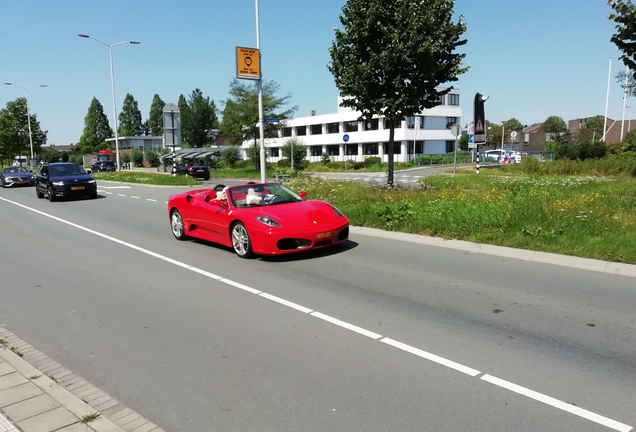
<point>323,235</point>
<point>77,187</point>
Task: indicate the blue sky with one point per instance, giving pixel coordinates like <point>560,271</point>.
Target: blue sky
<point>534,59</point>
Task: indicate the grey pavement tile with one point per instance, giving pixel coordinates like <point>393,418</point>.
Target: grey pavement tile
<point>62,375</point>
<point>148,427</point>
<point>100,401</point>
<point>95,396</point>
<point>30,407</point>
<point>135,424</point>
<point>121,414</point>
<point>89,390</point>
<point>55,372</point>
<point>77,427</point>
<point>43,363</point>
<point>126,419</point>
<point>76,385</point>
<point>50,367</point>
<point>69,379</point>
<point>11,380</point>
<point>48,421</point>
<point>35,357</point>
<point>111,411</point>
<point>83,389</point>
<point>6,425</point>
<point>18,394</point>
<point>6,368</point>
<point>106,405</point>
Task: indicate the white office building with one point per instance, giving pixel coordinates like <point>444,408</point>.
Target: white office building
<point>427,133</point>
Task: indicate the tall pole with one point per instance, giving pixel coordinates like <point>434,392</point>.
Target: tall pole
<point>609,75</point>
<point>624,102</point>
<point>503,131</point>
<point>260,94</point>
<point>629,125</point>
<point>26,90</point>
<point>112,83</point>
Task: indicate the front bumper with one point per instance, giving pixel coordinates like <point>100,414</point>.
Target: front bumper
<point>12,181</point>
<point>68,191</point>
<point>277,241</point>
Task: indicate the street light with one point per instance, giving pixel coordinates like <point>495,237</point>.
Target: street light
<point>503,131</point>
<point>26,90</point>
<point>629,125</point>
<point>112,82</point>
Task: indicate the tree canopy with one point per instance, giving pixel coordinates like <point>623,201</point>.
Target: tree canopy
<point>624,15</point>
<point>14,131</point>
<point>155,119</point>
<point>390,57</point>
<point>96,129</point>
<point>130,123</point>
<point>198,116</point>
<point>240,114</point>
<point>553,125</point>
<point>592,130</point>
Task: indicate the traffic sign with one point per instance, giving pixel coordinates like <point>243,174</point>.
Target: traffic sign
<point>471,139</point>
<point>345,137</point>
<point>248,63</point>
<point>271,120</point>
<point>456,130</point>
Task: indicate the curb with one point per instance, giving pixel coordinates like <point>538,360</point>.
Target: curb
<point>609,267</point>
<point>70,391</point>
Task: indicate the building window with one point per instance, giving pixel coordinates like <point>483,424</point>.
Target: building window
<point>410,122</point>
<point>398,124</point>
<point>333,128</point>
<point>419,147</point>
<point>301,130</point>
<point>316,129</point>
<point>287,132</point>
<point>351,126</point>
<point>333,150</point>
<point>351,149</point>
<point>370,149</point>
<point>442,99</point>
<point>453,99</point>
<point>450,146</point>
<point>450,121</point>
<point>373,124</point>
<point>316,150</point>
<point>396,148</point>
<point>274,151</point>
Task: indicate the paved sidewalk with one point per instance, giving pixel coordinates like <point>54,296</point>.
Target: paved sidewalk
<point>39,395</point>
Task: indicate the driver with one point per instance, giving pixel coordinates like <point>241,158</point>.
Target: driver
<point>253,196</point>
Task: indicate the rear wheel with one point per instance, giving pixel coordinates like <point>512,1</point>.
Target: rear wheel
<point>176,224</point>
<point>241,241</point>
<point>49,191</point>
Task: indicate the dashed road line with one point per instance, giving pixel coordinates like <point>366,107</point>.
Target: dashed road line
<point>580,412</point>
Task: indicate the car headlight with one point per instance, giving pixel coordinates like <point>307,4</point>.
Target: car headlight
<point>267,221</point>
<point>91,181</point>
<point>336,211</point>
<point>60,183</point>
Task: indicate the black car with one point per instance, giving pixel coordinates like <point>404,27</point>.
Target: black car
<point>16,176</point>
<point>196,171</point>
<point>104,166</point>
<point>64,179</point>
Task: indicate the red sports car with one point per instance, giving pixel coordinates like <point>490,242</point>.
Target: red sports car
<point>263,218</point>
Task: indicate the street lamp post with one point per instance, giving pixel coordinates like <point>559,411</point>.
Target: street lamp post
<point>629,124</point>
<point>503,131</point>
<point>26,90</point>
<point>112,83</point>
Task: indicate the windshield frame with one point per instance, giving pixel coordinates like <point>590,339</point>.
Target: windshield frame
<point>237,194</point>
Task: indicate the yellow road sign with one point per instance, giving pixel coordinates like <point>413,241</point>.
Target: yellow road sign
<point>248,63</point>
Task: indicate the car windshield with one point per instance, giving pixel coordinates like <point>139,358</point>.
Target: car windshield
<point>13,170</point>
<point>66,170</point>
<point>262,194</point>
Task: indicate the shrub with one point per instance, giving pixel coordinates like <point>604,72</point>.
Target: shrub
<point>357,165</point>
<point>284,163</point>
<point>336,165</point>
<point>243,163</point>
<point>138,157</point>
<point>325,159</point>
<point>373,160</point>
<point>152,157</point>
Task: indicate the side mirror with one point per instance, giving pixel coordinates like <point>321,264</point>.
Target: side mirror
<point>303,194</point>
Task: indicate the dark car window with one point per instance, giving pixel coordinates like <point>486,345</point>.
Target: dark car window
<point>66,170</point>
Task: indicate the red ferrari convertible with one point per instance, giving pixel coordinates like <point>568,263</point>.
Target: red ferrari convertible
<point>263,218</point>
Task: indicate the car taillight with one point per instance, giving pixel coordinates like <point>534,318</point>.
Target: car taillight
<point>190,169</point>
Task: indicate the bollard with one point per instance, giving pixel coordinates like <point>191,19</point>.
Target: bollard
<point>477,166</point>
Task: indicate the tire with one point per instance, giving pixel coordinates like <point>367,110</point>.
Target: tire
<point>219,188</point>
<point>176,225</point>
<point>93,195</point>
<point>241,241</point>
<point>51,195</point>
<point>2,183</point>
<point>38,194</point>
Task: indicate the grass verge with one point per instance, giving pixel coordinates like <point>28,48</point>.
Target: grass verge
<point>147,178</point>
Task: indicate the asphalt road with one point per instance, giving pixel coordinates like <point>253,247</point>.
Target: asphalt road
<point>377,335</point>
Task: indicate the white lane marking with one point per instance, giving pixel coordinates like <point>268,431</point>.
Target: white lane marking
<point>346,325</point>
<point>149,199</point>
<point>114,187</point>
<point>132,196</point>
<point>613,424</point>
<point>287,303</point>
<point>121,195</point>
<point>108,193</point>
<point>407,348</point>
<point>432,357</point>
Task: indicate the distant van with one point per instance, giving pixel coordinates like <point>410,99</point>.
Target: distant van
<point>20,161</point>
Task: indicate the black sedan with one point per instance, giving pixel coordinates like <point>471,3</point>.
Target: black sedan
<point>16,176</point>
<point>105,166</point>
<point>195,171</point>
<point>64,179</point>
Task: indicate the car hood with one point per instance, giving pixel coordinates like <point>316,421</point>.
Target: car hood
<point>72,178</point>
<point>19,175</point>
<point>312,213</point>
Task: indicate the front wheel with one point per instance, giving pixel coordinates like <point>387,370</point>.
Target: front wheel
<point>241,241</point>
<point>38,194</point>
<point>176,224</point>
<point>50,193</point>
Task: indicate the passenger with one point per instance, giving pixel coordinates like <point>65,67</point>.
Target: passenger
<point>253,197</point>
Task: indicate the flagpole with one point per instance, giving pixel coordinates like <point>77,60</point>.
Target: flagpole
<point>624,101</point>
<point>609,75</point>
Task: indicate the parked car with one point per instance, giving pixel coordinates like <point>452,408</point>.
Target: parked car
<point>104,166</point>
<point>257,218</point>
<point>64,179</point>
<point>16,176</point>
<point>497,155</point>
<point>195,171</point>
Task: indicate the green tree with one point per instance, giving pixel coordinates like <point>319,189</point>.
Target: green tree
<point>155,119</point>
<point>184,110</point>
<point>493,134</point>
<point>14,131</point>
<point>199,117</point>
<point>592,130</point>
<point>514,125</point>
<point>463,142</point>
<point>231,155</point>
<point>553,125</point>
<point>240,114</point>
<point>130,123</point>
<point>390,58</point>
<point>96,129</point>
<point>254,154</point>
<point>624,15</point>
<point>299,151</point>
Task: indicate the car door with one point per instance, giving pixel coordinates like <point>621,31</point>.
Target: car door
<point>213,216</point>
<point>41,179</point>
